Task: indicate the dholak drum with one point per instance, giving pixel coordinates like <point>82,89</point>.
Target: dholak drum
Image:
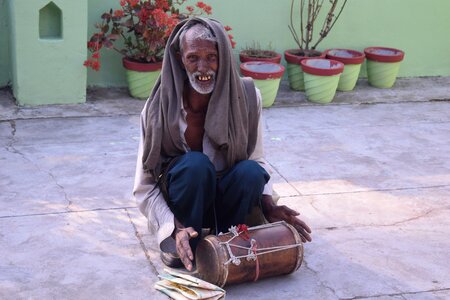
<point>247,255</point>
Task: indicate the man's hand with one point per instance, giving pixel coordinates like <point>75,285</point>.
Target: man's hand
<point>182,237</point>
<point>275,213</point>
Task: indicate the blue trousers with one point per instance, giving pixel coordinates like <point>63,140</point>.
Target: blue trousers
<point>201,199</point>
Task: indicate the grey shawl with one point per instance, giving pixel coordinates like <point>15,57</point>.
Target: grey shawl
<point>231,120</point>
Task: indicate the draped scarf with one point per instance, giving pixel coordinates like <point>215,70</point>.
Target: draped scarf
<point>227,122</point>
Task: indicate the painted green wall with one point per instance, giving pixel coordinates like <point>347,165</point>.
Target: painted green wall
<point>48,43</point>
<point>419,27</point>
<point>111,72</point>
<point>5,68</point>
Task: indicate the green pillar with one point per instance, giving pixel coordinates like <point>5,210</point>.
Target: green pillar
<point>48,47</point>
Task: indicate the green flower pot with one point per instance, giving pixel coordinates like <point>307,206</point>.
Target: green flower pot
<point>295,77</point>
<point>321,79</point>
<point>269,90</point>
<point>383,65</point>
<point>141,77</point>
<point>293,58</point>
<point>267,77</point>
<point>352,61</point>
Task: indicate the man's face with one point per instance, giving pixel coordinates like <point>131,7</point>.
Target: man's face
<point>201,61</point>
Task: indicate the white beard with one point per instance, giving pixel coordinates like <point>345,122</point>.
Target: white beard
<point>198,87</point>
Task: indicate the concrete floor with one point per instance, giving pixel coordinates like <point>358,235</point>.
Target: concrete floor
<point>370,173</point>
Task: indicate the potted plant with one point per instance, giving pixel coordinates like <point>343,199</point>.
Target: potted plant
<point>139,31</point>
<point>304,35</point>
<point>256,53</point>
<point>383,65</point>
<point>321,78</point>
<point>267,77</point>
<point>352,61</point>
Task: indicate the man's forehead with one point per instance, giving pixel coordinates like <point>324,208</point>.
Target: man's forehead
<point>198,33</point>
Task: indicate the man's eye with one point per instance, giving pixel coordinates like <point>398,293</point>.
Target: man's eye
<point>212,57</point>
<point>192,58</point>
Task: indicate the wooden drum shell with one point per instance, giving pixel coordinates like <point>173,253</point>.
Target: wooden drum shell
<point>211,255</point>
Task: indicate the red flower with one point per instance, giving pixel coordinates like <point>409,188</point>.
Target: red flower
<point>95,65</point>
<point>123,2</point>
<point>190,8</point>
<point>207,9</point>
<point>200,4</point>
<point>160,16</point>
<point>143,16</point>
<point>227,28</point>
<point>133,3</point>
<point>163,4</point>
<point>96,55</point>
<point>118,13</point>
<point>233,43</point>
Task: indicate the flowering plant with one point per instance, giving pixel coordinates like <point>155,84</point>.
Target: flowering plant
<point>144,27</point>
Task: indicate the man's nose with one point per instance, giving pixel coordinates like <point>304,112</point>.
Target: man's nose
<point>203,65</point>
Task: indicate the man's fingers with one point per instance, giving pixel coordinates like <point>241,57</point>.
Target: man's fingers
<point>187,248</point>
<point>184,249</point>
<point>192,233</point>
<point>303,234</point>
<point>301,224</point>
<point>291,211</point>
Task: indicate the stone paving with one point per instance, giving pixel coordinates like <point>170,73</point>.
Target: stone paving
<point>370,173</point>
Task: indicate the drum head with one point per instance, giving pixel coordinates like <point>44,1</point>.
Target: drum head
<point>210,259</point>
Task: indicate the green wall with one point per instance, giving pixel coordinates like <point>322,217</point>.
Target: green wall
<point>419,27</point>
<point>5,66</point>
<point>48,47</point>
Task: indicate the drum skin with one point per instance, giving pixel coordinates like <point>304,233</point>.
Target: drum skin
<point>211,256</point>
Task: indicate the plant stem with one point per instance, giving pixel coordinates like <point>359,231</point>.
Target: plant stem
<point>329,22</point>
<point>291,26</point>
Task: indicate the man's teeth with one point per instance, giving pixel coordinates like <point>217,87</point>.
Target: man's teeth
<point>204,78</point>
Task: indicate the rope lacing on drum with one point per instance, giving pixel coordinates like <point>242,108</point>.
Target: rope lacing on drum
<point>253,251</point>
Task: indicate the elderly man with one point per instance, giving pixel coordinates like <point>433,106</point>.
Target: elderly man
<point>200,162</point>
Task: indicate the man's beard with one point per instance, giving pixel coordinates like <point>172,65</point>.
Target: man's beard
<point>202,88</point>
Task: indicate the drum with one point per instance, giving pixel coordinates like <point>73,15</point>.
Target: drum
<point>248,254</point>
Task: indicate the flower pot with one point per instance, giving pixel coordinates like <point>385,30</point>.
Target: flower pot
<point>141,77</point>
<point>383,65</point>
<point>259,55</point>
<point>293,58</point>
<point>321,78</point>
<point>267,77</point>
<point>352,61</point>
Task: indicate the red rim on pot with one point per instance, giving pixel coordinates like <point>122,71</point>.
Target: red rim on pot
<point>322,66</point>
<point>346,56</point>
<point>296,59</point>
<point>140,67</point>
<point>261,70</point>
<point>383,54</point>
